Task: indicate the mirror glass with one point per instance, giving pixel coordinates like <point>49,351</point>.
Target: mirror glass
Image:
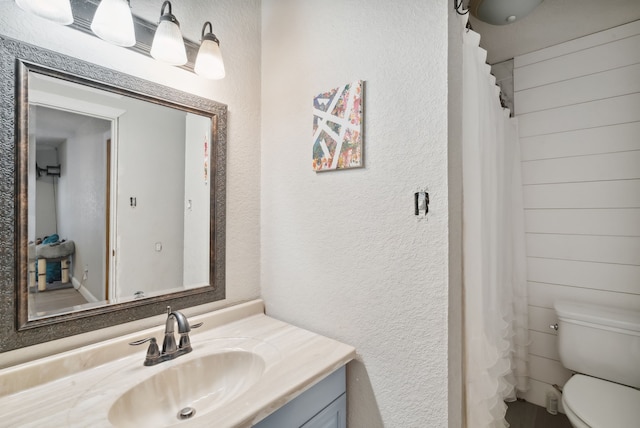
<point>118,197</point>
<point>113,191</point>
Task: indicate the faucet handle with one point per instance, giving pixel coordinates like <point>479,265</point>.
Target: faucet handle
<point>153,352</point>
<point>185,342</point>
<point>141,341</point>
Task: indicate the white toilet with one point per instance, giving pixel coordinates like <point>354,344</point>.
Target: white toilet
<point>602,345</point>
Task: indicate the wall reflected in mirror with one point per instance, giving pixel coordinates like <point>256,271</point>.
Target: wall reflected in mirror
<point>100,232</point>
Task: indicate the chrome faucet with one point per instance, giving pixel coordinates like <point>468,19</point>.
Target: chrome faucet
<point>169,348</point>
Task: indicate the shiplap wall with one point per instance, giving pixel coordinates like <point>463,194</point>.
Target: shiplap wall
<point>578,106</point>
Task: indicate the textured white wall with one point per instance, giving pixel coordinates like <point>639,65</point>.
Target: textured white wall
<point>342,252</point>
<point>455,326</point>
<point>146,149</point>
<point>82,184</point>
<point>237,25</point>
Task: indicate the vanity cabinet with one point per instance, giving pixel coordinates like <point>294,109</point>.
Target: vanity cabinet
<point>322,406</point>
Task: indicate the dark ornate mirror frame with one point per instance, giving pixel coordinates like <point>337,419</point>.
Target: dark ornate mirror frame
<point>16,60</point>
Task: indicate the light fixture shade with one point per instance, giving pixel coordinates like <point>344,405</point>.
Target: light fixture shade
<point>58,11</point>
<point>113,23</point>
<point>209,62</point>
<point>501,12</point>
<point>168,45</point>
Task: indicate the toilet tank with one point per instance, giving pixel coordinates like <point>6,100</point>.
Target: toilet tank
<point>600,341</point>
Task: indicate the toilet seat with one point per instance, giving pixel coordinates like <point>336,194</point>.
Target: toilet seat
<point>601,404</point>
<point>575,421</point>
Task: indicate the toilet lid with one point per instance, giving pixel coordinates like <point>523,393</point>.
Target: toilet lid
<point>602,404</point>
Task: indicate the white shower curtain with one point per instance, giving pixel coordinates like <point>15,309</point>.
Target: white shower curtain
<point>495,308</point>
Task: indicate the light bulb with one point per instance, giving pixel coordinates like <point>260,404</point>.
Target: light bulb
<point>168,45</point>
<point>113,23</point>
<point>58,11</point>
<point>209,63</point>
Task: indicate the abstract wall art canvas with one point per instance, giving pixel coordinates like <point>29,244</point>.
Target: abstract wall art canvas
<point>337,128</point>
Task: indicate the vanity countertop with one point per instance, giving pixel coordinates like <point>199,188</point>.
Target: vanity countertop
<point>78,388</point>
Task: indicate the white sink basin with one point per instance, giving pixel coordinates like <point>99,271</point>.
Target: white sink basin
<point>193,388</point>
<point>243,367</point>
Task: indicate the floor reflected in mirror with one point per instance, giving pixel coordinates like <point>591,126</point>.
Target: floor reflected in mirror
<point>54,301</point>
<point>521,414</point>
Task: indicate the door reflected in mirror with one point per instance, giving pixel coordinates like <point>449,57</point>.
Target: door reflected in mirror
<point>118,198</point>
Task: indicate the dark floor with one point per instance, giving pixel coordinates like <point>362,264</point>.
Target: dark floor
<point>521,414</point>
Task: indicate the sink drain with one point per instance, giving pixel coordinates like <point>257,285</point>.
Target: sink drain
<point>186,413</point>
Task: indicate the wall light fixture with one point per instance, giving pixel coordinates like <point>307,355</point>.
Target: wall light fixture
<point>58,11</point>
<point>209,62</point>
<point>113,22</point>
<point>168,45</point>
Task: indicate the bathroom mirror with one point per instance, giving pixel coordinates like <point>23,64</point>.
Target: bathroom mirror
<point>99,232</point>
<point>113,196</point>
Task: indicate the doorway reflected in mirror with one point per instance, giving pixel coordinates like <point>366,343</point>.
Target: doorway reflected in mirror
<point>97,224</point>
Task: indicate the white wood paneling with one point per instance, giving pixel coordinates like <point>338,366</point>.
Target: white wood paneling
<point>544,345</point>
<point>547,370</point>
<point>610,111</point>
<point>606,139</point>
<point>537,394</point>
<point>608,166</point>
<point>503,72</point>
<point>541,318</point>
<point>588,248</point>
<point>616,54</point>
<point>596,39</point>
<point>605,84</point>
<point>600,194</point>
<point>599,276</point>
<point>612,222</point>
<point>545,295</point>
<point>578,110</point>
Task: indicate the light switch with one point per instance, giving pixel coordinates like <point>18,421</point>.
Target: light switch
<point>421,203</point>
<point>158,246</point>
